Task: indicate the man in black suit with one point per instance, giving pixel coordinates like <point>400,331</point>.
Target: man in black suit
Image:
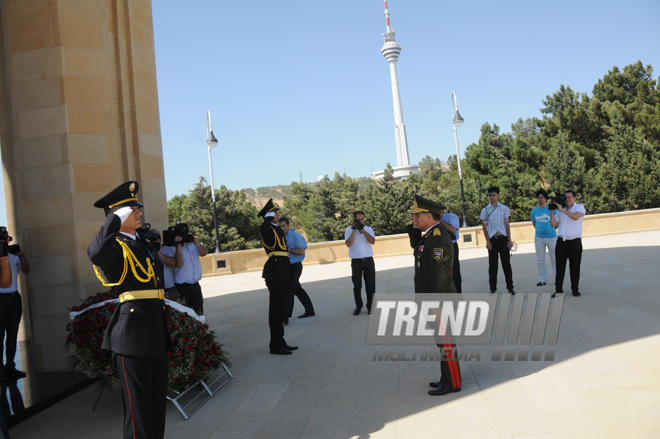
<point>137,333</point>
<point>277,273</point>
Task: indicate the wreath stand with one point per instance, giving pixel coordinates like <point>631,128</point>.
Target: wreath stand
<point>199,392</point>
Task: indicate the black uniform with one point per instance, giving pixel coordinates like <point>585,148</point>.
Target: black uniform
<point>137,333</point>
<point>434,261</point>
<point>277,273</point>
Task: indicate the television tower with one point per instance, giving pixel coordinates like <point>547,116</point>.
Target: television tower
<point>391,51</point>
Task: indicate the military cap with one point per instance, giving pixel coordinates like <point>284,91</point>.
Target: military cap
<point>268,208</point>
<point>123,195</point>
<point>424,205</point>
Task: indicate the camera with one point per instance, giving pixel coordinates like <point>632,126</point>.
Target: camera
<point>149,235</point>
<point>357,224</point>
<point>179,229</point>
<point>5,248</point>
<point>558,199</point>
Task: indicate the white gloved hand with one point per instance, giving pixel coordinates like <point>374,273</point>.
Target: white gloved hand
<point>123,212</point>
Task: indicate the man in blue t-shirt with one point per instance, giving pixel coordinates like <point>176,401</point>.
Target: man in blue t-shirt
<point>545,236</point>
<point>297,245</point>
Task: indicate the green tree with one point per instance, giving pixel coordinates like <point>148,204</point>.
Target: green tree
<point>238,225</point>
<point>387,204</point>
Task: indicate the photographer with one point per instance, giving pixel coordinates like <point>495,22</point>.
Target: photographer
<point>188,270</point>
<point>568,221</point>
<point>359,238</point>
<point>11,306</point>
<point>166,254</point>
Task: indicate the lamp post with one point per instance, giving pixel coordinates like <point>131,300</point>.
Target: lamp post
<point>212,142</point>
<point>458,121</point>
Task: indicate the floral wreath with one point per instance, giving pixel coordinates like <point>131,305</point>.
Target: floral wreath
<point>195,351</point>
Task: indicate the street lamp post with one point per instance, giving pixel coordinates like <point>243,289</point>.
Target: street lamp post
<point>458,121</point>
<point>212,142</point>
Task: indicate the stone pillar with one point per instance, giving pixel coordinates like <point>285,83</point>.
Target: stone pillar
<point>78,116</point>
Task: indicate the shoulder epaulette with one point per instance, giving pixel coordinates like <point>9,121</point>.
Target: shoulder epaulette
<point>437,232</point>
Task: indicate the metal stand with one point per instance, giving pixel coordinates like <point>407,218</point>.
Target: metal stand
<point>200,392</point>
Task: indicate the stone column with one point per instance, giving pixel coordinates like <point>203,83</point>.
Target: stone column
<point>78,116</point>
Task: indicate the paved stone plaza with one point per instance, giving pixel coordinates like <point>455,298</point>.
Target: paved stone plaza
<point>603,383</point>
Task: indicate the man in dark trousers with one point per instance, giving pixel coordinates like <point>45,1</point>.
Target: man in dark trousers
<point>434,261</point>
<point>277,273</point>
<point>137,333</point>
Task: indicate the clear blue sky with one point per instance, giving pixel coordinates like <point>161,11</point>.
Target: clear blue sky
<point>301,86</point>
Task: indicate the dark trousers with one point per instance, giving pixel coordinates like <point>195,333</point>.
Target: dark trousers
<point>571,251</point>
<point>11,311</point>
<point>298,291</point>
<point>458,280</point>
<point>278,293</point>
<point>363,267</point>
<point>193,295</point>
<point>144,389</point>
<point>499,249</point>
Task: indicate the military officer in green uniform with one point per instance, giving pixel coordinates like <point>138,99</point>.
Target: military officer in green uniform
<point>137,333</point>
<point>434,261</point>
<point>277,274</point>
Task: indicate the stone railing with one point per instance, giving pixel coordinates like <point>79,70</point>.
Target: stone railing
<point>393,245</point>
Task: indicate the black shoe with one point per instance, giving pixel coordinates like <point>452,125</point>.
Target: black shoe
<point>280,351</point>
<point>434,384</point>
<point>577,294</point>
<point>15,373</point>
<point>540,284</point>
<point>290,348</point>
<point>307,314</point>
<point>369,311</point>
<point>443,390</point>
<point>356,311</point>
<point>492,291</point>
<point>555,293</point>
<point>510,290</point>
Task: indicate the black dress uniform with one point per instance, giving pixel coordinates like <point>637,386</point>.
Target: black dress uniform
<point>277,273</point>
<point>137,333</point>
<point>434,262</point>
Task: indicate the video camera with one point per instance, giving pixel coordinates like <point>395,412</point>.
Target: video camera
<point>357,224</point>
<point>5,248</point>
<point>558,198</point>
<point>179,229</point>
<point>149,235</point>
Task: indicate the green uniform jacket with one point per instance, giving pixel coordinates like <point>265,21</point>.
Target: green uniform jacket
<point>434,262</point>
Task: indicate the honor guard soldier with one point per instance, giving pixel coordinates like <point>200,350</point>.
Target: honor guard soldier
<point>434,260</point>
<point>137,333</point>
<point>277,273</point>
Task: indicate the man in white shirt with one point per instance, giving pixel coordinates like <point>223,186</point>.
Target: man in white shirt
<point>359,239</point>
<point>495,222</point>
<point>11,309</point>
<point>568,221</point>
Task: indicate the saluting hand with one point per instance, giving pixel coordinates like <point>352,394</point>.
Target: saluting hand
<point>124,213</point>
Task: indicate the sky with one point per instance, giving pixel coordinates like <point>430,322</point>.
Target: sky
<point>299,88</point>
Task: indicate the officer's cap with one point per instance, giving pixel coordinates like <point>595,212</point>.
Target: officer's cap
<point>424,205</point>
<point>268,208</point>
<point>123,195</point>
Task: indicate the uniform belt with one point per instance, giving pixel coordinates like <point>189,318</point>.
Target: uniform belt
<point>142,294</point>
<point>278,254</point>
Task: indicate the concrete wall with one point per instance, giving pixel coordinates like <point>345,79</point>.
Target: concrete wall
<point>336,251</point>
<point>78,116</point>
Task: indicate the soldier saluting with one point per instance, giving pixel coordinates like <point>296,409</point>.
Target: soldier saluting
<point>277,274</point>
<point>434,262</point>
<point>137,333</point>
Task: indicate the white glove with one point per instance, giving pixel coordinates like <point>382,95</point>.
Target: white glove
<point>123,213</point>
